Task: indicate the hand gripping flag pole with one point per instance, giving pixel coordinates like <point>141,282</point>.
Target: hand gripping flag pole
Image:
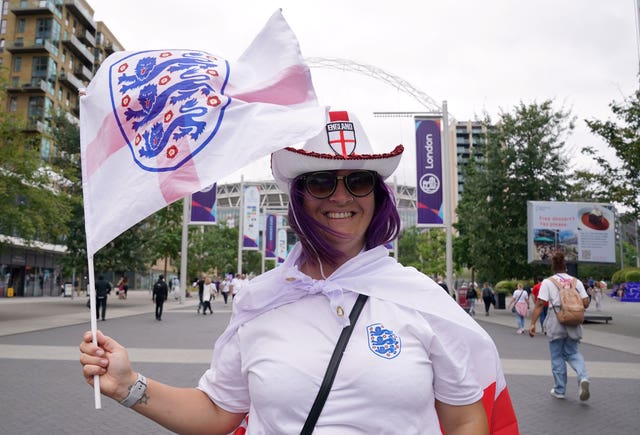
<point>154,123</point>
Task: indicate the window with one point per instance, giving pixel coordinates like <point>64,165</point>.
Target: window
<point>39,67</point>
<point>3,27</point>
<point>17,64</point>
<point>13,104</point>
<point>2,44</point>
<point>45,148</point>
<point>36,108</point>
<point>22,23</point>
<point>5,8</point>
<point>43,28</point>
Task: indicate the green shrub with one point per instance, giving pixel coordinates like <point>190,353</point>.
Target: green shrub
<point>633,275</point>
<point>620,276</point>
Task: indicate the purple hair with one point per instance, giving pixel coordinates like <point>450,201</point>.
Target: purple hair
<point>383,228</point>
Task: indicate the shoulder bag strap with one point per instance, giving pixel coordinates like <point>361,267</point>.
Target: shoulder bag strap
<point>332,368</point>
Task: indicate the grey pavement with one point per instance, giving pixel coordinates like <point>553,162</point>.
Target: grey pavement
<point>43,390</point>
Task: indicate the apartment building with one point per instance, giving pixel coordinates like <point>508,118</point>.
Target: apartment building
<point>49,49</point>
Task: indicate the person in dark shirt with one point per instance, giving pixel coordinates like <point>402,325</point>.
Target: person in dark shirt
<point>160,294</point>
<point>103,288</point>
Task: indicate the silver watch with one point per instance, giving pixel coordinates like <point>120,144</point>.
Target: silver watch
<point>136,392</point>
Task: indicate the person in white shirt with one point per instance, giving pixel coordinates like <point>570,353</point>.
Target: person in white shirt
<point>415,363</point>
<point>563,340</point>
<point>225,288</point>
<point>236,285</point>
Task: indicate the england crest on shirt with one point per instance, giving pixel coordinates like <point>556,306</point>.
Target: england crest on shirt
<point>383,342</point>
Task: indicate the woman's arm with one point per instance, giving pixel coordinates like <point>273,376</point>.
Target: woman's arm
<point>463,420</point>
<point>182,410</point>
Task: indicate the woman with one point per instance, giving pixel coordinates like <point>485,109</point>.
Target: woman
<point>412,342</point>
<point>207,293</point>
<point>520,301</point>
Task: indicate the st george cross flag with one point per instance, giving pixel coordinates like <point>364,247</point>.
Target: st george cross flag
<point>158,125</point>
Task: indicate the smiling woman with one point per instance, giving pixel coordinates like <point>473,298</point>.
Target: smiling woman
<point>278,359</point>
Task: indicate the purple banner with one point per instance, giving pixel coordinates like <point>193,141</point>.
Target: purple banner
<point>203,206</point>
<point>251,230</point>
<point>429,172</point>
<point>270,237</point>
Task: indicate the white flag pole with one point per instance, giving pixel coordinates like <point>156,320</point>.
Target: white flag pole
<point>94,330</point>
<point>184,249</point>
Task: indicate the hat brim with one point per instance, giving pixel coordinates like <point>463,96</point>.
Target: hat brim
<point>288,163</point>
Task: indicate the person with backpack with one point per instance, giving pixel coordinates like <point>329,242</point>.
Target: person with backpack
<point>563,326</point>
<point>160,294</point>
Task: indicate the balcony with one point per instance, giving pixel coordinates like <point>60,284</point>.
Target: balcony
<point>35,125</point>
<point>85,56</point>
<point>36,7</point>
<point>110,48</point>
<point>83,15</point>
<point>39,45</point>
<point>83,73</point>
<point>36,86</point>
<point>87,38</point>
<point>71,81</point>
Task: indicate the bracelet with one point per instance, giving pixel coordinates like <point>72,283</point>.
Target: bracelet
<point>136,392</point>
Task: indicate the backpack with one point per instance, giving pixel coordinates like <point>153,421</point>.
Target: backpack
<point>571,311</point>
<point>157,288</point>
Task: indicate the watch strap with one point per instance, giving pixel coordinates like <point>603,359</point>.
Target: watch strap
<point>136,392</point>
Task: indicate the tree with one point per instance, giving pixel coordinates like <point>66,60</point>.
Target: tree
<point>166,237</point>
<point>424,250</point>
<point>35,204</point>
<point>522,161</point>
<point>618,181</point>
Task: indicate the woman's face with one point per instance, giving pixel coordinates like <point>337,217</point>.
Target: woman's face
<point>344,213</point>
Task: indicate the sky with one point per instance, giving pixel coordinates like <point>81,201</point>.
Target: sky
<point>480,56</point>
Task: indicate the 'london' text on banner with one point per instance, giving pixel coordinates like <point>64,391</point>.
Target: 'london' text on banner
<point>429,172</point>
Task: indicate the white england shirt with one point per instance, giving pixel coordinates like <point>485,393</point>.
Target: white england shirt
<point>393,368</point>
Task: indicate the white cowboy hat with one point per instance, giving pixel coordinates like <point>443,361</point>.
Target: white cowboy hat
<point>342,144</point>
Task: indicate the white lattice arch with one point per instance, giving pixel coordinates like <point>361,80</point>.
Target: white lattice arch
<point>372,71</point>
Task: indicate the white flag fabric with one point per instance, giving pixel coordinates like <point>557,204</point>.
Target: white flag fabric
<point>158,125</point>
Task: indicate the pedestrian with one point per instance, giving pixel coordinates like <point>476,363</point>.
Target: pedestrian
<point>598,293</point>
<point>224,288</point>
<point>207,294</point>
<point>488,297</point>
<point>520,306</point>
<point>535,290</point>
<point>236,285</point>
<point>200,285</point>
<point>103,288</point>
<point>411,343</point>
<point>160,294</point>
<point>175,287</point>
<point>472,295</point>
<point>563,340</point>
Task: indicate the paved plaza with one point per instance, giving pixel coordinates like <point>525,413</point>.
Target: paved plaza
<point>43,391</point>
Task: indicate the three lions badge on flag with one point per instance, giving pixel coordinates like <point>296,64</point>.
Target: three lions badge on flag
<point>157,125</point>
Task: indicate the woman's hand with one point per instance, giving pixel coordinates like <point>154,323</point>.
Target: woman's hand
<point>109,360</point>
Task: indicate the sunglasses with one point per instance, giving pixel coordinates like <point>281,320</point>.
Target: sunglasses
<point>323,184</point>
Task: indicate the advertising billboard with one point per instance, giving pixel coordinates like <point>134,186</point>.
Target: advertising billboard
<point>584,231</point>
